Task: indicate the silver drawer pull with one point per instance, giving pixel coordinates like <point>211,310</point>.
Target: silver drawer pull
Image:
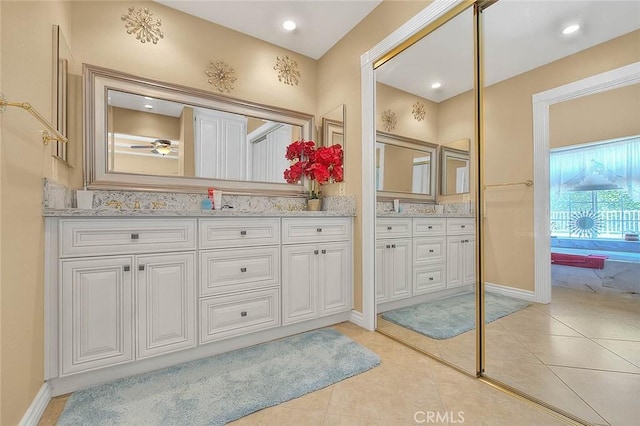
<point>389,228</point>
<point>126,268</point>
<point>463,226</point>
<point>324,251</point>
<point>393,246</point>
<point>430,250</point>
<point>466,241</point>
<point>315,252</point>
<point>243,269</point>
<point>140,267</point>
<point>430,227</point>
<point>462,241</point>
<point>430,278</point>
<point>319,229</point>
<point>243,313</point>
<point>135,236</point>
<point>243,232</point>
<point>388,246</point>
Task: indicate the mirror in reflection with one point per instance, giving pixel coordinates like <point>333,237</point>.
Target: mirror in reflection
<point>404,165</point>
<point>454,168</point>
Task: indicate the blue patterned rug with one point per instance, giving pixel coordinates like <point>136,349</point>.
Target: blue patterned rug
<point>225,387</point>
<point>448,317</point>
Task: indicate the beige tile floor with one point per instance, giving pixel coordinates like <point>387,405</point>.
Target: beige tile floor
<point>402,391</point>
<point>580,353</point>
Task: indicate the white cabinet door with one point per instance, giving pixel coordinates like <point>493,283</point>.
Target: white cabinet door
<point>393,269</point>
<point>401,265</point>
<point>382,295</point>
<point>334,283</point>
<point>96,314</point>
<point>461,260</point>
<point>299,281</point>
<point>469,260</point>
<point>166,303</point>
<point>454,261</point>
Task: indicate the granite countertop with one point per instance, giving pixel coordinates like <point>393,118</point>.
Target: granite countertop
<point>112,212</point>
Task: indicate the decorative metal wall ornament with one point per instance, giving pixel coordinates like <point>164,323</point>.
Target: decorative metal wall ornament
<point>140,22</point>
<point>287,70</point>
<point>419,111</point>
<point>389,120</point>
<point>221,76</point>
<point>585,224</point>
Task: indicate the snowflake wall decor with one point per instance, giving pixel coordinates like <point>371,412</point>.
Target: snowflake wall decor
<point>419,111</point>
<point>287,70</point>
<point>140,22</point>
<point>389,120</point>
<point>221,76</point>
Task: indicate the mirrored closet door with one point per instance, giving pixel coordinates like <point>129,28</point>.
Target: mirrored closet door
<point>425,259</point>
<point>561,194</point>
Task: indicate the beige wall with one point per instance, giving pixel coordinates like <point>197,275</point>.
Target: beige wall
<point>150,165</point>
<point>187,138</point>
<point>141,123</point>
<point>398,168</point>
<point>508,157</point>
<point>26,36</point>
<point>602,116</point>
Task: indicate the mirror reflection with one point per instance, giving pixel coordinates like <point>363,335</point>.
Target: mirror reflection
<point>158,137</point>
<point>454,169</point>
<point>425,272</point>
<point>571,343</point>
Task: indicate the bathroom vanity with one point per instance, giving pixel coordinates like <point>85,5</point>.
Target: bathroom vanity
<point>128,292</point>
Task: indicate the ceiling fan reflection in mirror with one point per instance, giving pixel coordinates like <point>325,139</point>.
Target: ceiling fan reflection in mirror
<point>158,146</point>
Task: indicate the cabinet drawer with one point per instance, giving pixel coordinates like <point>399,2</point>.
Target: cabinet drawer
<point>87,237</point>
<point>426,227</point>
<point>227,316</point>
<point>428,278</point>
<point>226,232</point>
<point>224,271</point>
<point>429,250</point>
<point>461,225</point>
<point>297,230</point>
<point>393,228</point>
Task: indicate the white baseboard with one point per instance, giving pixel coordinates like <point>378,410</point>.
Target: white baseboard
<point>357,318</point>
<point>38,405</point>
<point>527,295</point>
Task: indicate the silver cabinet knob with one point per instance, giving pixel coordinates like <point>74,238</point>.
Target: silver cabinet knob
<point>389,228</point>
<point>243,313</point>
<point>315,252</point>
<point>388,246</point>
<point>430,278</point>
<point>430,250</point>
<point>243,269</point>
<point>319,229</point>
<point>324,251</point>
<point>430,227</point>
<point>126,268</point>
<point>393,246</point>
<point>243,232</point>
<point>140,267</point>
<point>135,236</point>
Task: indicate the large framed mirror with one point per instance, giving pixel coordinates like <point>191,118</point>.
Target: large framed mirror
<point>145,134</point>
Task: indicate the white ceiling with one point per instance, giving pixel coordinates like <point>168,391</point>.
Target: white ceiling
<point>321,23</point>
<point>520,35</point>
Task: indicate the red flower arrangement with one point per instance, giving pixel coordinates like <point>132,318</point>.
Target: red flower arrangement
<point>319,165</point>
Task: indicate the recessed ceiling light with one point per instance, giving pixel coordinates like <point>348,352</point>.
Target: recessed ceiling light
<point>289,25</point>
<point>148,106</point>
<point>571,29</point>
<point>436,85</point>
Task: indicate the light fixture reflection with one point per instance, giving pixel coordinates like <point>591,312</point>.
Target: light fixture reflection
<point>571,29</point>
<point>289,25</point>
